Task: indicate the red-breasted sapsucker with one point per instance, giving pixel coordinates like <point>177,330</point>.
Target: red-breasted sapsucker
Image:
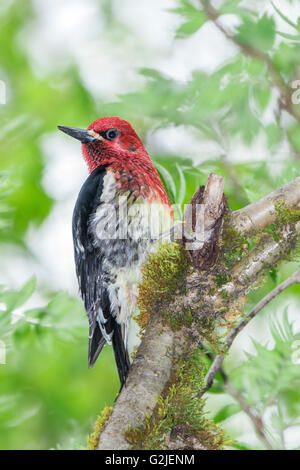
<point>114,229</point>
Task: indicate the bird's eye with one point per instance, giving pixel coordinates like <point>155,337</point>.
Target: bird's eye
<point>111,134</point>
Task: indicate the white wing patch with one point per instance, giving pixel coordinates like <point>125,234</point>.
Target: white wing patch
<point>101,322</point>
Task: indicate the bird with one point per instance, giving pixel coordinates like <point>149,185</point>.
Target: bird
<point>120,213</point>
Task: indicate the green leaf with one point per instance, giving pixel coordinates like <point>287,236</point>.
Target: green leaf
<point>286,58</point>
<point>15,299</point>
<point>230,7</point>
<point>259,35</point>
<point>240,446</point>
<point>282,330</point>
<point>218,387</point>
<point>226,412</point>
<point>291,37</point>
<point>195,19</point>
<point>182,186</point>
<point>262,95</point>
<point>294,136</point>
<point>274,134</point>
<point>22,332</point>
<point>26,292</point>
<point>168,181</point>
<point>191,27</point>
<point>269,376</point>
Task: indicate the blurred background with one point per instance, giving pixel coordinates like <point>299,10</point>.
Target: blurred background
<point>201,103</point>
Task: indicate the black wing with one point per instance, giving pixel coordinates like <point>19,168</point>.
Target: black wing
<point>89,260</point>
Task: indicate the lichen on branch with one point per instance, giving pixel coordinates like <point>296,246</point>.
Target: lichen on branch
<point>179,421</point>
<point>93,438</point>
<point>182,306</point>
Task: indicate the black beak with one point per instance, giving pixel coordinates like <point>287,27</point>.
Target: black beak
<point>79,134</point>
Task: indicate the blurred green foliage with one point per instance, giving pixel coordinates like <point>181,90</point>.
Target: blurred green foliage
<point>48,397</point>
<point>269,381</point>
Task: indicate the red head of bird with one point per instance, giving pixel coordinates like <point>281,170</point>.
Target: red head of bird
<point>112,141</point>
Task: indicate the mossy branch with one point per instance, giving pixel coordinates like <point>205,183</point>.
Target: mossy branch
<point>181,306</point>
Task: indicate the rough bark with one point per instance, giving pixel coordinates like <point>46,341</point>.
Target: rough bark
<point>148,375</point>
<point>207,228</point>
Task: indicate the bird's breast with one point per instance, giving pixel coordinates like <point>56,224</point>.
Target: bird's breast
<point>125,225</point>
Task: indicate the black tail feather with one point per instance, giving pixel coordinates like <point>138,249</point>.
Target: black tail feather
<point>121,355</point>
<point>96,343</point>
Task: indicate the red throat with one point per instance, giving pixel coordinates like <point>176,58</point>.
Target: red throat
<point>133,169</point>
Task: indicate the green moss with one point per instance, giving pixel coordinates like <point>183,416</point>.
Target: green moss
<point>179,414</point>
<point>286,214</point>
<point>211,291</point>
<point>222,278</point>
<point>93,439</point>
<point>207,330</point>
<point>178,319</point>
<point>274,231</point>
<point>225,294</point>
<point>163,276</point>
<point>234,246</point>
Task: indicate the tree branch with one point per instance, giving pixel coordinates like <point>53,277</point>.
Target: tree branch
<point>256,420</point>
<point>258,215</point>
<point>163,346</point>
<point>218,361</point>
<point>148,375</point>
